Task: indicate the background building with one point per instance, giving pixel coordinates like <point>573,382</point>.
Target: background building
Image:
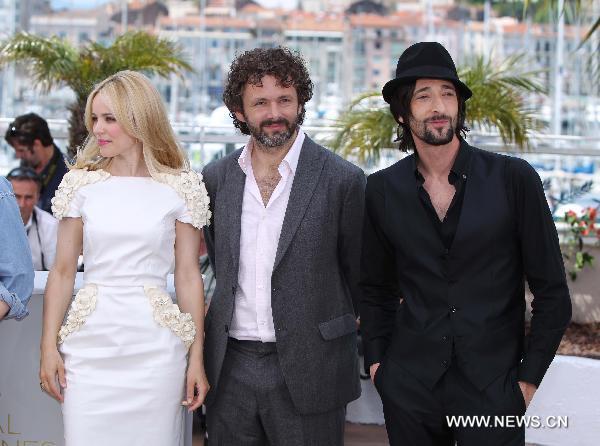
<point>350,47</point>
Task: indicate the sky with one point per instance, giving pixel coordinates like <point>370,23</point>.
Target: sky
<point>57,4</point>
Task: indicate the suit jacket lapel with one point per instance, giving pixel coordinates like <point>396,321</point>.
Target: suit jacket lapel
<point>233,196</point>
<point>310,165</point>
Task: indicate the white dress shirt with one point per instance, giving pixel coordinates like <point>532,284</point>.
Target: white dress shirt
<point>41,233</point>
<point>259,237</point>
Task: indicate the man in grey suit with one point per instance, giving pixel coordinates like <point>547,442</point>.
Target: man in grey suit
<point>284,241</point>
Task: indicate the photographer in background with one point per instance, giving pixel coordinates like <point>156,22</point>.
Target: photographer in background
<point>30,136</point>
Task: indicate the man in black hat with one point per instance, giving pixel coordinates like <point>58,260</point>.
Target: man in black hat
<point>450,234</point>
<point>30,136</point>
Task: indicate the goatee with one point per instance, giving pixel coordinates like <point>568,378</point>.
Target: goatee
<point>434,137</point>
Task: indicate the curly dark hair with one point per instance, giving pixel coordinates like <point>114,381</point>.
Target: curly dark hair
<point>400,108</point>
<point>288,68</point>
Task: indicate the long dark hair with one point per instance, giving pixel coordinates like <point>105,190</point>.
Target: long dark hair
<point>400,108</point>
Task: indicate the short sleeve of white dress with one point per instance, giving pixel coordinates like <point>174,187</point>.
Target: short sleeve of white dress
<point>194,207</point>
<point>68,198</point>
<point>74,208</point>
<point>182,213</point>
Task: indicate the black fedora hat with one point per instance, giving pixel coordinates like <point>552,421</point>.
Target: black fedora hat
<point>425,60</point>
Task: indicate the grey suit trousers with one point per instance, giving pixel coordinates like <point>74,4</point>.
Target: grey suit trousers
<point>254,408</point>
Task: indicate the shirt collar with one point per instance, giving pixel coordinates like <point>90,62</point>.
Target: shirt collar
<point>56,158</point>
<point>459,168</point>
<point>30,221</point>
<point>290,159</point>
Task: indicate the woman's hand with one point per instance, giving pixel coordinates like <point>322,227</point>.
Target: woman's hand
<point>51,367</point>
<point>195,380</point>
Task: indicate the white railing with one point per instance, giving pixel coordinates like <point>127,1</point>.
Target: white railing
<point>567,159</point>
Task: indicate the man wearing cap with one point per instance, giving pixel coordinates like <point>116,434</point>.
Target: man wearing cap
<point>30,136</point>
<point>450,234</point>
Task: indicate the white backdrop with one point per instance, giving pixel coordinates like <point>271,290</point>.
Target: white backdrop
<point>28,417</point>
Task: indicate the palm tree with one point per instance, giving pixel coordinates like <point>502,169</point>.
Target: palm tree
<point>497,104</point>
<point>54,62</point>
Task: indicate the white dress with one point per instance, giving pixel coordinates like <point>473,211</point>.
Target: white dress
<point>124,342</point>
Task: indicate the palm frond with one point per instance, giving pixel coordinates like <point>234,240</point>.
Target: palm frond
<point>591,31</point>
<point>141,51</point>
<point>496,105</point>
<point>51,61</point>
<point>497,102</point>
<point>138,51</point>
<point>363,133</point>
<point>360,100</point>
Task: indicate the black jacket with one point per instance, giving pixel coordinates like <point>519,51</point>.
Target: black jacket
<point>466,303</point>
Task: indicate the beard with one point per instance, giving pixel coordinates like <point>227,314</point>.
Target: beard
<point>276,139</point>
<point>434,137</point>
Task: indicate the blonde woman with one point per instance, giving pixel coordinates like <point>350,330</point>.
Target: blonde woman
<point>118,362</point>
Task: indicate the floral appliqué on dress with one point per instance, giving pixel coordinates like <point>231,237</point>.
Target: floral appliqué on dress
<point>81,307</point>
<point>190,187</point>
<point>168,315</point>
<point>72,181</point>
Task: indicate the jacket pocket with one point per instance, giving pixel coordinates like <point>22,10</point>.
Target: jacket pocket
<point>338,327</point>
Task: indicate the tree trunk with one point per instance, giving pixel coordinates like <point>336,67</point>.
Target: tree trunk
<point>77,130</point>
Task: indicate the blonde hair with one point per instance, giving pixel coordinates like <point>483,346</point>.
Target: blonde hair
<point>137,106</point>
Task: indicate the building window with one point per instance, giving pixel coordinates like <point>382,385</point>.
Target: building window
<point>359,46</point>
<point>331,67</point>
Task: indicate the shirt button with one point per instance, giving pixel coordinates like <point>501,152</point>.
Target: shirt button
<point>453,309</point>
<point>445,338</point>
<point>464,176</point>
<point>445,363</point>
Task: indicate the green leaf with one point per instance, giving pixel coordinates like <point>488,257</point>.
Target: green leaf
<point>54,62</point>
<point>367,126</point>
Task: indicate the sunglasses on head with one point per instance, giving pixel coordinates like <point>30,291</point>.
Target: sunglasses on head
<point>13,131</point>
<point>23,173</point>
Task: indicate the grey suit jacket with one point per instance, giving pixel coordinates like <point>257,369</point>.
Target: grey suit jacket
<point>315,276</point>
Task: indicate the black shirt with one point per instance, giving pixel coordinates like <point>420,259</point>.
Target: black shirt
<point>518,192</point>
<point>506,235</point>
<point>446,228</point>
